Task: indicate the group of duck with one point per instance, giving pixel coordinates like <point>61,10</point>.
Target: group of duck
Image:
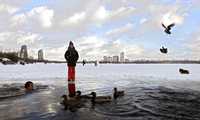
<point>167,30</point>
<point>78,100</point>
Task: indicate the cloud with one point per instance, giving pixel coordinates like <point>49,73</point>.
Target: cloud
<point>40,15</point>
<point>97,27</point>
<point>90,41</point>
<point>170,17</point>
<point>97,16</point>
<point>118,31</point>
<point>143,20</point>
<point>122,12</point>
<point>94,47</point>
<point>27,38</point>
<point>8,8</point>
<point>55,53</point>
<point>14,40</point>
<point>44,14</point>
<point>193,43</point>
<point>18,20</point>
<point>75,19</point>
<point>102,15</point>
<point>90,47</point>
<point>4,35</point>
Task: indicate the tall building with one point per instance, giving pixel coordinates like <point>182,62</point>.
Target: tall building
<point>105,58</point>
<point>40,55</point>
<point>122,57</point>
<point>23,52</point>
<point>126,60</point>
<point>109,59</point>
<point>115,59</point>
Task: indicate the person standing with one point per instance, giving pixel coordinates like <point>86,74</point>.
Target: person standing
<point>84,62</point>
<point>71,56</point>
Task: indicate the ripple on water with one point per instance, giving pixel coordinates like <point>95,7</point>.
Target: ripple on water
<point>158,102</point>
<point>138,103</point>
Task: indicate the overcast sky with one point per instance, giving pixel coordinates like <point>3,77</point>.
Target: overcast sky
<point>102,27</point>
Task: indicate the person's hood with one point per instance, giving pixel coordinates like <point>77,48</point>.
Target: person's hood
<point>71,45</point>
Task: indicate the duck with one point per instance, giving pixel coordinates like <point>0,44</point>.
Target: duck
<point>71,102</point>
<point>100,99</point>
<point>64,101</point>
<point>79,96</point>
<point>183,71</point>
<point>117,93</point>
<point>168,28</point>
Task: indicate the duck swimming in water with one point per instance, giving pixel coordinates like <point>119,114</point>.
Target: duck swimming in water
<point>117,93</point>
<point>71,102</point>
<point>79,96</point>
<point>65,101</point>
<point>100,99</point>
<point>183,71</point>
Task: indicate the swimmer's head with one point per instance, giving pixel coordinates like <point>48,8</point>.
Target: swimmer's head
<point>28,86</point>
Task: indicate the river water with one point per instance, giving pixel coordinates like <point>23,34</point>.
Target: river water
<point>152,92</point>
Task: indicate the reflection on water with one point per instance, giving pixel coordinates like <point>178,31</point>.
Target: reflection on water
<point>146,97</point>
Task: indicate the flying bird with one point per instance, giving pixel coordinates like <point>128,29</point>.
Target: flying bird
<point>163,50</point>
<point>168,28</point>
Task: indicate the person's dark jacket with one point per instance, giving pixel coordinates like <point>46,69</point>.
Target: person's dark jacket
<point>71,56</point>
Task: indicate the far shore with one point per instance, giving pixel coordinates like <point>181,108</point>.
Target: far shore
<point>137,62</point>
<point>128,62</point>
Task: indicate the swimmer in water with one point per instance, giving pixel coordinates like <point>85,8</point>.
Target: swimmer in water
<point>28,86</point>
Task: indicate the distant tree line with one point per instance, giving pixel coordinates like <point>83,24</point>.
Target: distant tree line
<point>13,56</point>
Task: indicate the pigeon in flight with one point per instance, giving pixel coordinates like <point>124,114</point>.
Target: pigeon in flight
<point>163,50</point>
<point>168,28</point>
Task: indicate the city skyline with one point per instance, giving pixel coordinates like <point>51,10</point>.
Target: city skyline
<point>115,58</point>
<point>101,27</point>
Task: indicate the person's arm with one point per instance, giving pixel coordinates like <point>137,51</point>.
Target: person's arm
<point>76,56</point>
<point>67,55</point>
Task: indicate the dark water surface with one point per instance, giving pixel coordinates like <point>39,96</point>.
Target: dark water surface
<point>139,103</point>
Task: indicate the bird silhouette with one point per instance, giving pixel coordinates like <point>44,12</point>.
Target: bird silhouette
<point>183,71</point>
<point>163,50</point>
<point>168,28</point>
